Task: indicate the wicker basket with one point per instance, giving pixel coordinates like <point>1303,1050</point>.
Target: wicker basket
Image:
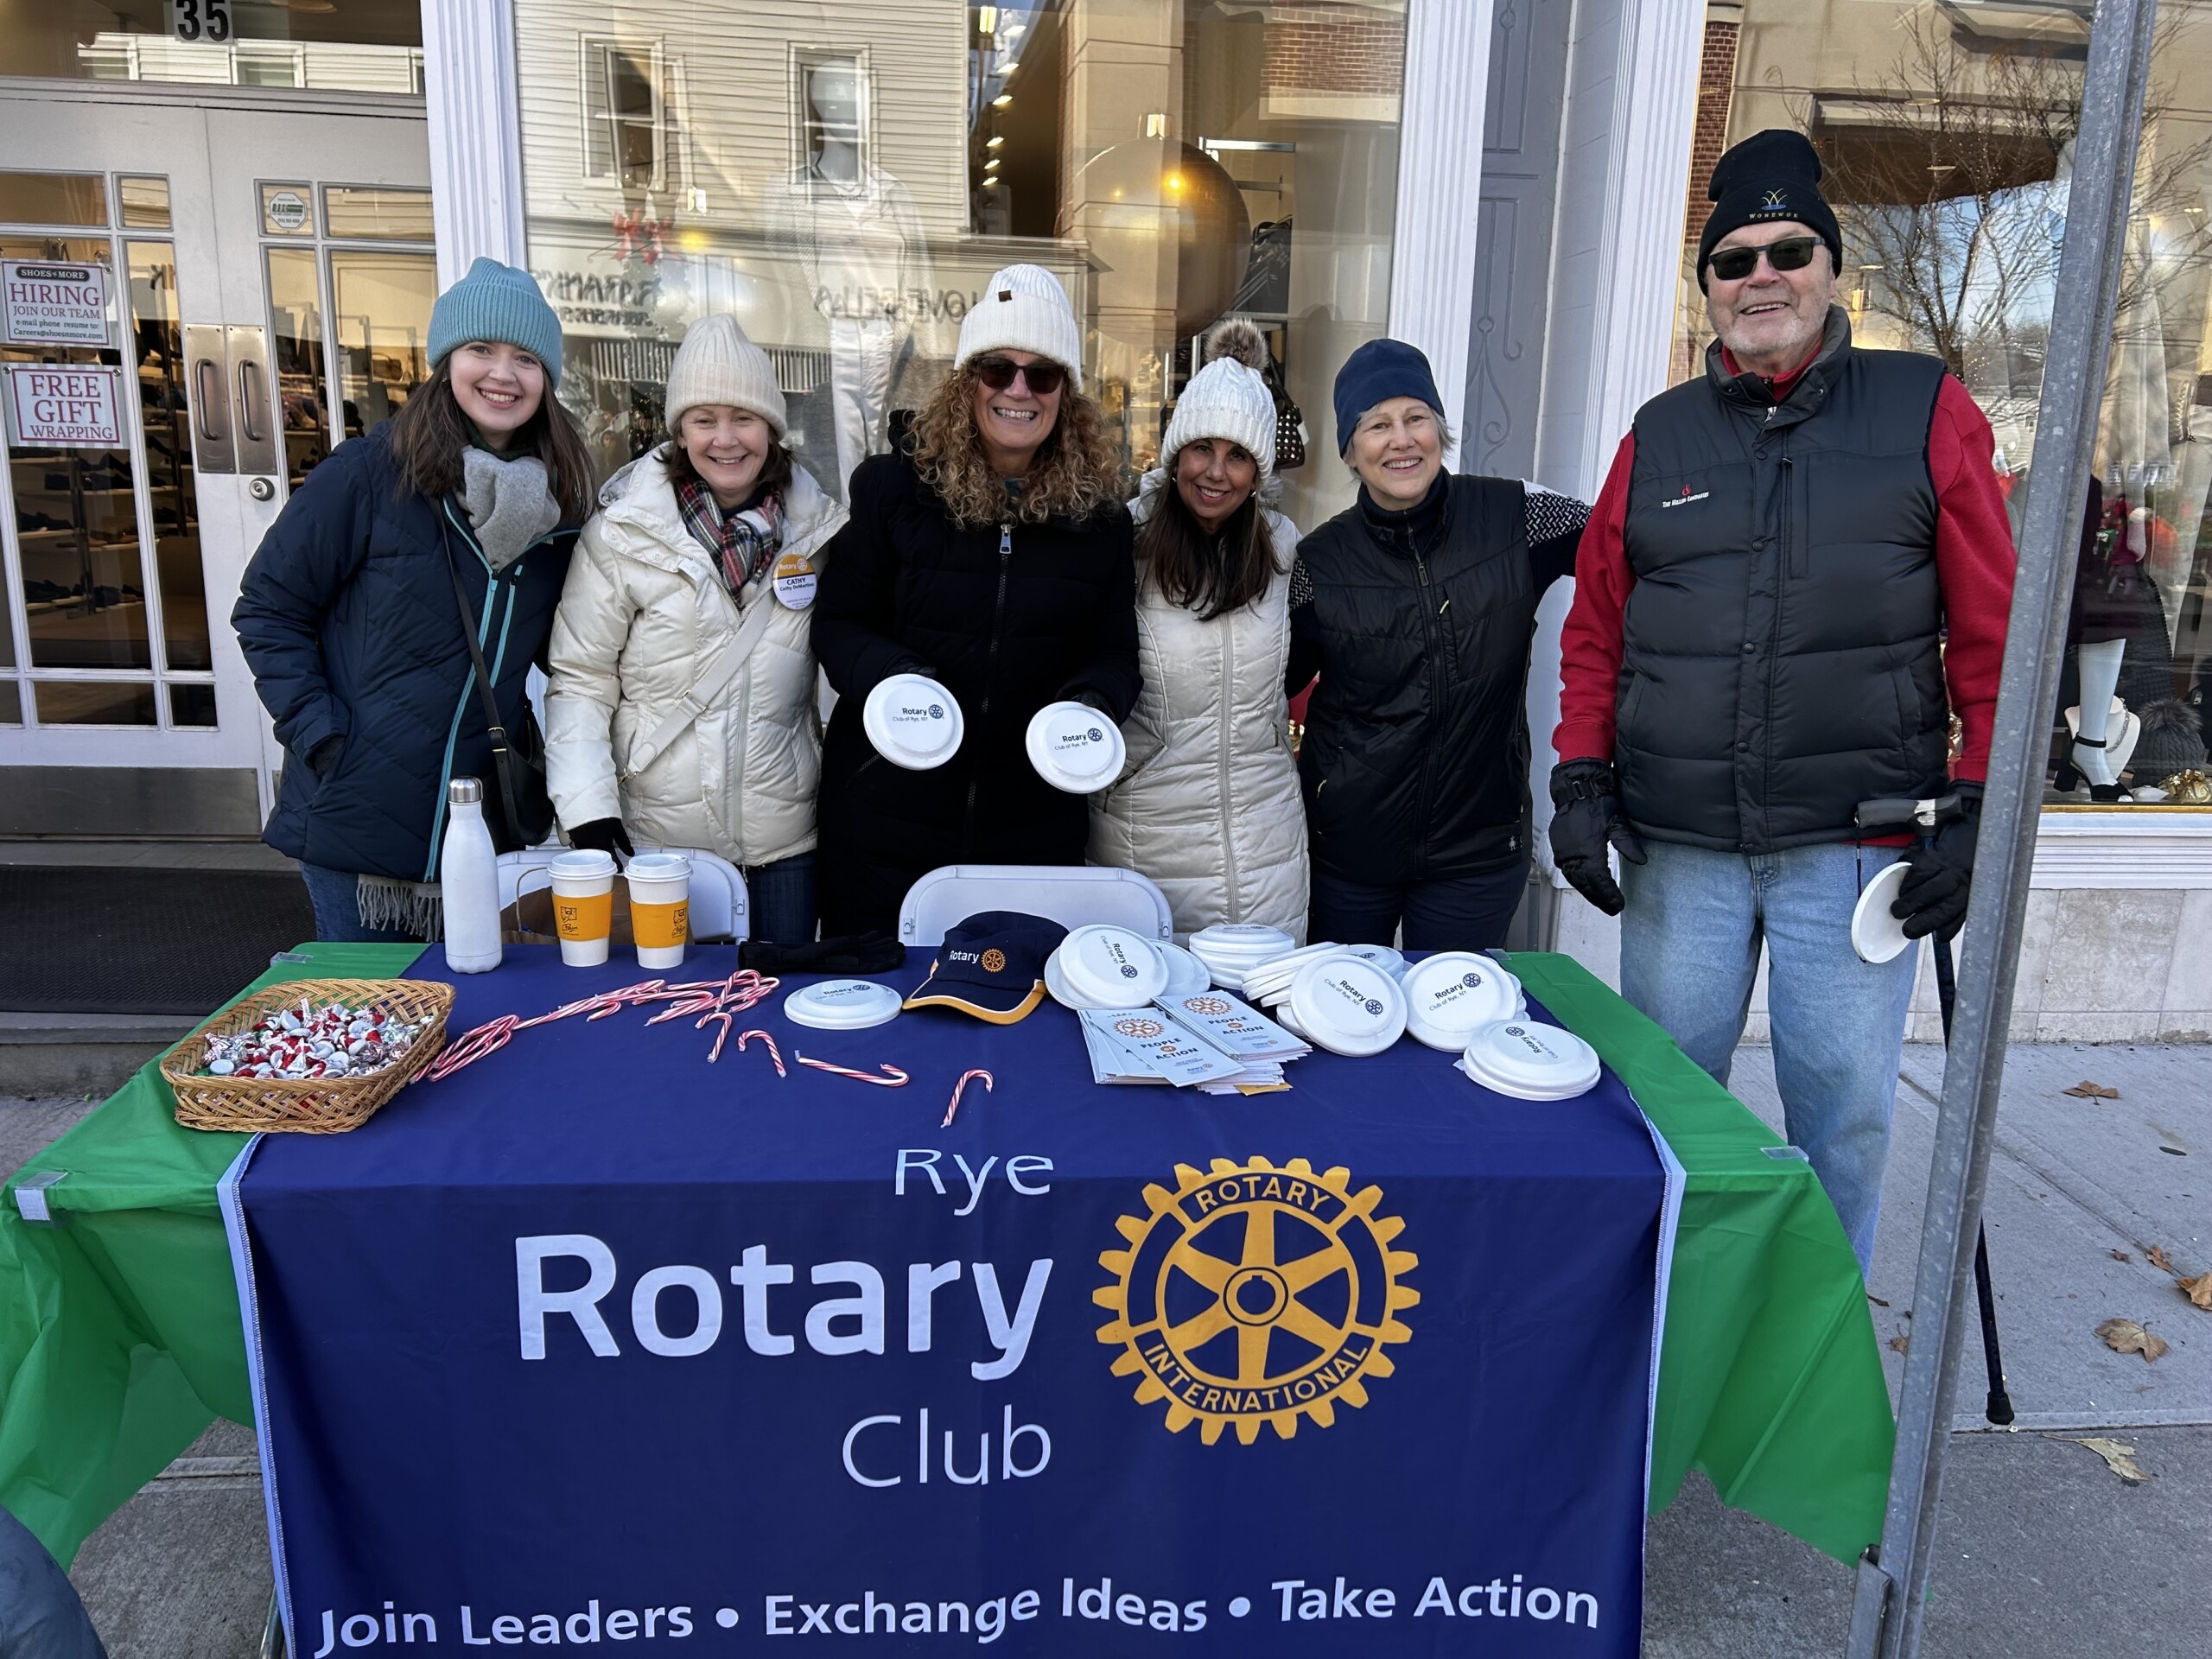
<point>307,1105</point>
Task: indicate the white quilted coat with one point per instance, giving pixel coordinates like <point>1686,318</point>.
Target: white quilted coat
<point>1208,804</point>
<point>643,607</point>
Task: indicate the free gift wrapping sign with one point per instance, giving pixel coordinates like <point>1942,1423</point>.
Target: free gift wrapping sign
<point>57,405</point>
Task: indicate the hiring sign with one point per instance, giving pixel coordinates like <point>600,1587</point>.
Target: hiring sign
<point>53,405</point>
<point>42,303</point>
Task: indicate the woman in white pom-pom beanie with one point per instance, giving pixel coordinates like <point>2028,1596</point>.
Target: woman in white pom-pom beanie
<point>991,555</point>
<point>1208,805</point>
<point>692,591</point>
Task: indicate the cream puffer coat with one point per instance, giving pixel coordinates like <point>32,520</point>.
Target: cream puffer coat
<point>643,609</point>
<point>1207,804</point>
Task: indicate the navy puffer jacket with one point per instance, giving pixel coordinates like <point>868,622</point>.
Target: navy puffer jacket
<point>348,620</point>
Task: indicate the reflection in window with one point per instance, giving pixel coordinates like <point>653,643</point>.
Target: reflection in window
<point>145,203</point>
<point>333,45</point>
<point>622,114</point>
<point>94,702</point>
<point>52,198</point>
<point>377,214</point>
<point>11,703</point>
<point>162,386</point>
<point>381,324</point>
<point>191,703</point>
<point>296,342</point>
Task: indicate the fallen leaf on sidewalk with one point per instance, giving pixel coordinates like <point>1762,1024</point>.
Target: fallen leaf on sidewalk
<point>2119,1456</point>
<point>1900,1344</point>
<point>2121,1256</point>
<point>2087,1090</point>
<point>2198,1290</point>
<point>2155,1256</point>
<point>2126,1337</point>
<point>1876,1300</point>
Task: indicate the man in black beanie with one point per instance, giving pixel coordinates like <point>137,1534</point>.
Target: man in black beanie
<point>1799,568</point>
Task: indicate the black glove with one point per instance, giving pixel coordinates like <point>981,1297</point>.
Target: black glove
<point>1939,874</point>
<point>603,836</point>
<point>324,756</point>
<point>848,953</point>
<point>1586,818</point>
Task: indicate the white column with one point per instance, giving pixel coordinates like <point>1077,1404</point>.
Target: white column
<point>468,75</point>
<point>1439,178</point>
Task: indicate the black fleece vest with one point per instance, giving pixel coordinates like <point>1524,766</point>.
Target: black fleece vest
<point>1415,762</point>
<point>1780,660</point>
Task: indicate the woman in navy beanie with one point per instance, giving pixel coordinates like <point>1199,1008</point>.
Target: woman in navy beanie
<point>1416,605</point>
<point>453,520</point>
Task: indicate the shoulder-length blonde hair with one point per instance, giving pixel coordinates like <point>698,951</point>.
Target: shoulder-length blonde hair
<point>1075,474</point>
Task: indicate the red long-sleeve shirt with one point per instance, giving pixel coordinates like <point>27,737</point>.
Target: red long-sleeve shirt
<point>1974,562</point>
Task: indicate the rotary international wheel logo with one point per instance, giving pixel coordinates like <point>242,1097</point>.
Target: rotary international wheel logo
<point>1142,1030</point>
<point>1256,1294</point>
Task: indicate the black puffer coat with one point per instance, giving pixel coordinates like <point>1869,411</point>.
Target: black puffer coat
<point>348,619</point>
<point>1007,623</point>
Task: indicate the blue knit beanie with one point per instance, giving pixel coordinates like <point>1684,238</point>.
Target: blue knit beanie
<point>497,303</point>
<point>1377,371</point>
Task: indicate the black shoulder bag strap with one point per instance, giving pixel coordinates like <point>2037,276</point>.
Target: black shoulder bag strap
<point>503,754</point>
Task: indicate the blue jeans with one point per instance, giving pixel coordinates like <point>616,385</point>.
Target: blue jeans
<point>336,898</point>
<point>1463,912</point>
<point>1690,943</point>
<point>780,897</point>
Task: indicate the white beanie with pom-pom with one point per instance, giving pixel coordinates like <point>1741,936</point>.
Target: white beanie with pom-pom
<point>1227,398</point>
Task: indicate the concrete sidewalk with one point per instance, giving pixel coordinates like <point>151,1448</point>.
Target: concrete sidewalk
<point>2043,1551</point>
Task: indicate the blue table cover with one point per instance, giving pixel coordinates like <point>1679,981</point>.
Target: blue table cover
<point>598,1342</point>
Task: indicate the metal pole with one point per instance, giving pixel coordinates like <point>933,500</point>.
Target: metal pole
<point>1891,1595</point>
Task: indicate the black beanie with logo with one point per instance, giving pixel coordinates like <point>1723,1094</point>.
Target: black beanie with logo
<point>1774,175</point>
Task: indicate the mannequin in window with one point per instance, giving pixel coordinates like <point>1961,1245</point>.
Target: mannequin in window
<point>855,239</point>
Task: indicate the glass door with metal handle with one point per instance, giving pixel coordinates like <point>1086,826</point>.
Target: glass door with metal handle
<point>207,354</point>
<point>254,424</point>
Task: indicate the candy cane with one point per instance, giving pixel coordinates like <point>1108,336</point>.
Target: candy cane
<point>989,1088</point>
<point>708,999</point>
<point>774,1053</point>
<point>896,1079</point>
<point>488,1039</point>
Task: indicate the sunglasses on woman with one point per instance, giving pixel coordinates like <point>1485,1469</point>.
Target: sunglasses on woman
<point>1790,253</point>
<point>998,373</point>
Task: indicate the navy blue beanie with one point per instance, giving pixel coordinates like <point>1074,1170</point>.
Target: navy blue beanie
<point>1376,373</point>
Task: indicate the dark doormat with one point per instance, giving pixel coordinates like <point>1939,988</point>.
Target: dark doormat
<point>132,941</point>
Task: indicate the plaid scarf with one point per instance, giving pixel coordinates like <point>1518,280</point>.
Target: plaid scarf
<point>742,542</point>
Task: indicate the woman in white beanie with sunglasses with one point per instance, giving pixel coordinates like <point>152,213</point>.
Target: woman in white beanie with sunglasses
<point>693,590</point>
<point>1208,804</point>
<point>991,554</point>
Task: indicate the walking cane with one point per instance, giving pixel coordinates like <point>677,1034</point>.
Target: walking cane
<point>1928,817</point>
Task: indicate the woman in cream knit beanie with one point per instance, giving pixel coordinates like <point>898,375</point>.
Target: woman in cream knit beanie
<point>1208,805</point>
<point>693,588</point>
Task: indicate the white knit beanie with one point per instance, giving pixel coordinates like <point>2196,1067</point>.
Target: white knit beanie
<point>716,364</point>
<point>1024,308</point>
<point>1227,398</point>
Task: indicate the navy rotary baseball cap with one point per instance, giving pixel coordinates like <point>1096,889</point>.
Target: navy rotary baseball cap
<point>991,965</point>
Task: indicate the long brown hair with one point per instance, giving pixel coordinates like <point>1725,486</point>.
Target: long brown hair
<point>429,433</point>
<point>1209,573</point>
<point>1075,472</point>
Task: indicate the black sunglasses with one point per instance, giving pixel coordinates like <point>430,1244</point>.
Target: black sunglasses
<point>1790,253</point>
<point>998,373</point>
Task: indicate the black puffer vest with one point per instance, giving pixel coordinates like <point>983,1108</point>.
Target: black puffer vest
<point>1781,662</point>
<point>1415,762</point>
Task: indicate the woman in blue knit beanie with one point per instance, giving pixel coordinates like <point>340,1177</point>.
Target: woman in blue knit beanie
<point>452,521</point>
<point>1416,606</point>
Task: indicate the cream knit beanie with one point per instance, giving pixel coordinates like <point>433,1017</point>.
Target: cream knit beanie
<point>716,364</point>
<point>1024,308</point>
<point>1227,398</point>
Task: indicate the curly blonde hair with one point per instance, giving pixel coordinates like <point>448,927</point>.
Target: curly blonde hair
<point>1076,472</point>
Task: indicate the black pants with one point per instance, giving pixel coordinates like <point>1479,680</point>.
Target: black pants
<point>1464,912</point>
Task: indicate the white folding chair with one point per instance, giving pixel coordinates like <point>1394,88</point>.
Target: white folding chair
<point>720,912</point>
<point>1073,895</point>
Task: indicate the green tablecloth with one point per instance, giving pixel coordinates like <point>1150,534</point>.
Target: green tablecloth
<point>120,1338</point>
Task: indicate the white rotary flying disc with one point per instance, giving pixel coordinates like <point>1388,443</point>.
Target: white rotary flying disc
<point>843,1005</point>
<point>1389,960</point>
<point>1106,967</point>
<point>1075,747</point>
<point>1056,984</point>
<point>1348,1006</point>
<point>1449,994</point>
<point>1876,935</point>
<point>912,722</point>
<point>1270,977</point>
<point>1186,974</point>
<point>1530,1061</point>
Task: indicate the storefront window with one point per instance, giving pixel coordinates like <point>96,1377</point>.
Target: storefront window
<point>364,46</point>
<point>843,177</point>
<point>1946,129</point>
